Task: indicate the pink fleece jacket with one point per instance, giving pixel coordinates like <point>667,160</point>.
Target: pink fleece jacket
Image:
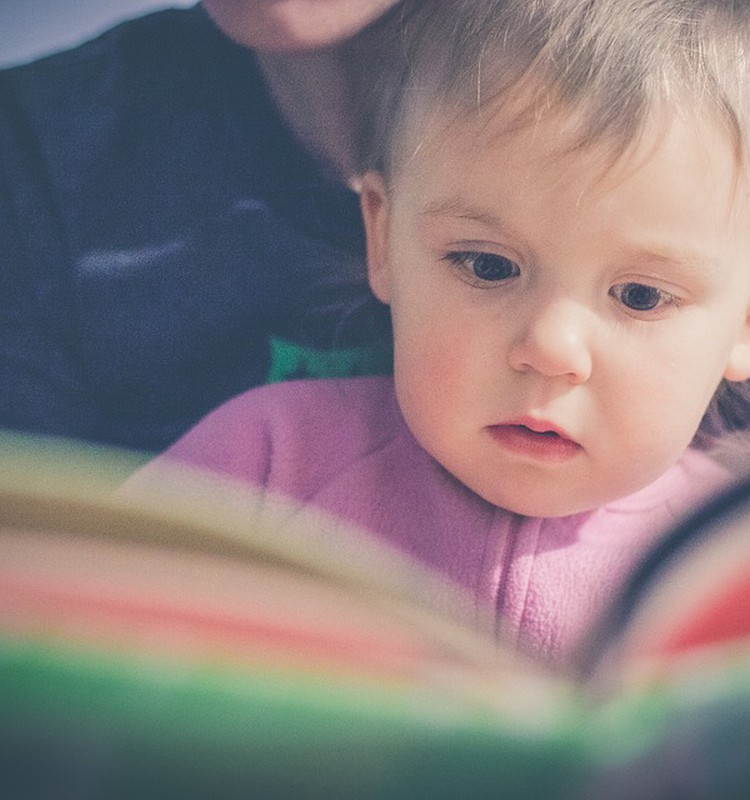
<point>343,447</point>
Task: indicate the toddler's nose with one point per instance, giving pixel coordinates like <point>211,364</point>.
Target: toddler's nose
<point>554,341</point>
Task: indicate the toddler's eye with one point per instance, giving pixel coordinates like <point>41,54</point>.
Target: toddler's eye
<point>640,297</point>
<point>488,267</point>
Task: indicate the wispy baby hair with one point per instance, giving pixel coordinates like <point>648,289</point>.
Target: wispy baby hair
<point>610,61</point>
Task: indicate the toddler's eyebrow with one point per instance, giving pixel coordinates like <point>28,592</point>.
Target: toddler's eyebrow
<point>458,208</point>
<point>694,261</point>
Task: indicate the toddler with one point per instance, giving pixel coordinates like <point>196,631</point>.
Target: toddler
<point>557,213</point>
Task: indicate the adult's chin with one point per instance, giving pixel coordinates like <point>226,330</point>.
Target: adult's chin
<point>293,25</point>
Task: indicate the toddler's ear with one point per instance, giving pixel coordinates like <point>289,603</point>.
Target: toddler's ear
<point>374,204</point>
<point>738,365</point>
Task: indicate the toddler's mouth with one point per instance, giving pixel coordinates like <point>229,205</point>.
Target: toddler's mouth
<point>535,440</point>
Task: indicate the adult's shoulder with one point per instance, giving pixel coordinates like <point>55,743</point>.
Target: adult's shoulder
<point>146,62</point>
<point>138,43</point>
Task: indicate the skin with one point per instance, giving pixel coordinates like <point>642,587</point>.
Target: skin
<point>303,52</point>
<point>294,25</point>
<point>561,322</point>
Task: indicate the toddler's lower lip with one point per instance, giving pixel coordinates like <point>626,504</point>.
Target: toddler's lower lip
<point>541,446</point>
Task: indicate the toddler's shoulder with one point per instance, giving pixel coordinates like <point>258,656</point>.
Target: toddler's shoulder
<point>301,401</point>
<point>281,435</point>
<point>310,415</point>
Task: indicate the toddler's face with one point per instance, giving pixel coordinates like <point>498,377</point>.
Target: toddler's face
<point>285,25</point>
<point>561,323</point>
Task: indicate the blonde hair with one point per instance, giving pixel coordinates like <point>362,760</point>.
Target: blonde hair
<point>611,62</point>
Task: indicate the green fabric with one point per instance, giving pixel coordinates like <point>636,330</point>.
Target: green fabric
<point>291,361</point>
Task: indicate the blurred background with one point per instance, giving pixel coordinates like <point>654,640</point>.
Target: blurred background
<point>30,28</point>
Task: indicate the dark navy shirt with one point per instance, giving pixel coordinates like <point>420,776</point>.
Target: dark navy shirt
<point>165,242</point>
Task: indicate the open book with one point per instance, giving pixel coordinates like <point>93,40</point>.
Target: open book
<point>218,644</point>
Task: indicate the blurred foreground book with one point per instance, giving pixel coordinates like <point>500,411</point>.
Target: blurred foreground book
<point>216,644</point>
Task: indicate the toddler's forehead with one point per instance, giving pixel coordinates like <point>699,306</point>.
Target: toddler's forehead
<point>444,132</point>
<point>532,124</point>
<point>455,153</point>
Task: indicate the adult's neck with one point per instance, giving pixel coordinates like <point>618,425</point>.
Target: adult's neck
<point>314,95</point>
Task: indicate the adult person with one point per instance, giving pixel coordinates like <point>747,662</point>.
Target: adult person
<point>177,218</point>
